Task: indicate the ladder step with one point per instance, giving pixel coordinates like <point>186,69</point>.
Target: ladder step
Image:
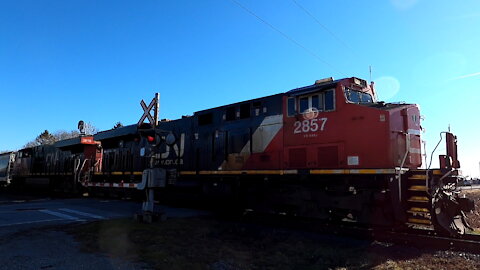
<point>423,226</point>
<point>418,210</point>
<point>418,188</point>
<point>421,199</point>
<point>419,221</point>
<point>417,177</point>
<point>422,215</point>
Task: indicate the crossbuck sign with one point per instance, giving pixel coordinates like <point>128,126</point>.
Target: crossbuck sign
<point>154,105</point>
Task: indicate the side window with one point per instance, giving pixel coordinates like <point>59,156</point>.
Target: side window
<point>291,106</point>
<point>322,101</point>
<point>315,102</point>
<point>329,100</point>
<point>304,104</point>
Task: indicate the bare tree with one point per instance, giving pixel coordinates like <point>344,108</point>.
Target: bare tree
<point>48,138</point>
<point>90,129</point>
<point>30,144</point>
<point>64,135</point>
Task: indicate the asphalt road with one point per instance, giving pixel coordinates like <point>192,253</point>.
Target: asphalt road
<point>30,239</point>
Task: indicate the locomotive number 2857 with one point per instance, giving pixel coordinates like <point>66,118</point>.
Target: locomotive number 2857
<point>309,125</point>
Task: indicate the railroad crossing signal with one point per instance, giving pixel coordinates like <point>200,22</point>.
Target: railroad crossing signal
<point>154,105</point>
<point>81,127</point>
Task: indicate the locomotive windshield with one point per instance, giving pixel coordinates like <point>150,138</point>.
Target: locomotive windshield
<point>358,96</point>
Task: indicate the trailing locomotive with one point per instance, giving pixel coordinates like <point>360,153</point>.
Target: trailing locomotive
<point>59,166</point>
<point>6,162</point>
<point>329,150</point>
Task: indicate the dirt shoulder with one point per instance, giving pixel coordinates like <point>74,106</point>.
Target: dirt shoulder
<point>209,243</point>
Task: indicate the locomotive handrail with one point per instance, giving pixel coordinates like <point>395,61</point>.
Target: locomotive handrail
<point>407,151</point>
<point>95,169</point>
<point>434,149</point>
<point>78,169</point>
<point>447,174</point>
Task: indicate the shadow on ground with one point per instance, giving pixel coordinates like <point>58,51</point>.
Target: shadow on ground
<point>212,243</point>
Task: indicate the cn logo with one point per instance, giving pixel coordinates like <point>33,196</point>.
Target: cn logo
<point>178,148</point>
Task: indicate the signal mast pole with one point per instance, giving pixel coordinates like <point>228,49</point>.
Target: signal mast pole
<point>156,110</point>
<point>151,177</point>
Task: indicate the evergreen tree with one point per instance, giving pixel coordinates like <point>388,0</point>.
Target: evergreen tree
<point>42,139</point>
<point>45,138</point>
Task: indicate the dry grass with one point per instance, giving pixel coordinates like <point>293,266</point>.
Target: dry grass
<point>207,243</point>
<point>473,218</point>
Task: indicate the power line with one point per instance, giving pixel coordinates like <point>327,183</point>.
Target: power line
<point>320,24</point>
<point>338,39</point>
<point>285,35</point>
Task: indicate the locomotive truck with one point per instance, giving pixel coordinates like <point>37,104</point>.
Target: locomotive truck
<point>329,150</point>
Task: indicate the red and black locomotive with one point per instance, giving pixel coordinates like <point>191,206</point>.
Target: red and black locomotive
<point>329,150</point>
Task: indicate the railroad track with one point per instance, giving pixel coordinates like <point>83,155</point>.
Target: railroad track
<point>427,239</point>
<point>419,238</point>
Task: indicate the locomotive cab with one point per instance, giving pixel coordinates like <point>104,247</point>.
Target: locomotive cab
<point>340,124</point>
<point>337,128</point>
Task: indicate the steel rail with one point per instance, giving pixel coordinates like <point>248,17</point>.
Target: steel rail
<point>468,242</point>
<point>414,237</point>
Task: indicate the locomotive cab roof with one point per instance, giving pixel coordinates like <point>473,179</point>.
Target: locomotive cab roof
<point>313,88</point>
<point>72,142</point>
<point>129,130</point>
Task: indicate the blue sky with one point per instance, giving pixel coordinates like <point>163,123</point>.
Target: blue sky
<point>65,61</point>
